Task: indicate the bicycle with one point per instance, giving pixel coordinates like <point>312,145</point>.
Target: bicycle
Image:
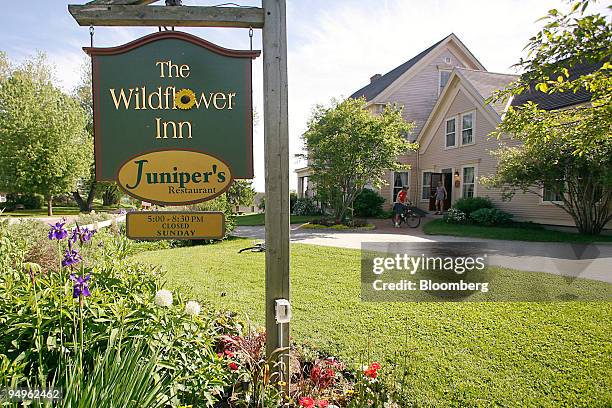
<point>409,217</point>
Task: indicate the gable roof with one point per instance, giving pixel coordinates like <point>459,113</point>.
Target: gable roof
<point>560,100</point>
<point>479,85</point>
<point>486,83</point>
<point>371,90</point>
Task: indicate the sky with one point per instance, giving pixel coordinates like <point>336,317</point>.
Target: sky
<point>334,46</point>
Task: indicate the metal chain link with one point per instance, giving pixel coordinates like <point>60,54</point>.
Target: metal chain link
<point>251,37</point>
<point>91,34</point>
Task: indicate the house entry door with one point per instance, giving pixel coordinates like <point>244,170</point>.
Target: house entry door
<point>435,179</point>
<point>447,182</point>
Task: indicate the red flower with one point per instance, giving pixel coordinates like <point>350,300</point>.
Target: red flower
<point>315,374</point>
<point>322,375</point>
<point>307,402</point>
<point>229,353</point>
<point>371,373</point>
<point>322,403</point>
<point>233,366</point>
<point>375,366</point>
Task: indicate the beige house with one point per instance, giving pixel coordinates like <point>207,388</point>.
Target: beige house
<point>443,90</point>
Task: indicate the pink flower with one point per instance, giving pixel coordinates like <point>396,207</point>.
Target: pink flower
<point>322,403</point>
<point>233,366</point>
<point>307,402</point>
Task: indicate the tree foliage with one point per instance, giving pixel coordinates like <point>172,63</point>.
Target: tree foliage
<point>569,150</point>
<point>43,143</point>
<point>88,185</point>
<point>241,192</point>
<point>349,147</point>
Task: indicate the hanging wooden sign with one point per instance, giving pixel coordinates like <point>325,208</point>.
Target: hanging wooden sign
<point>161,100</point>
<point>157,225</point>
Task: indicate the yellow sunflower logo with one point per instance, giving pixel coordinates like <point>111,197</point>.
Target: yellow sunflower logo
<point>185,99</point>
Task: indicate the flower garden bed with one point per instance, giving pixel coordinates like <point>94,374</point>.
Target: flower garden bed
<point>76,312</point>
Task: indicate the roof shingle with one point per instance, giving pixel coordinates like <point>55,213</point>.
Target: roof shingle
<point>374,88</point>
<point>560,100</point>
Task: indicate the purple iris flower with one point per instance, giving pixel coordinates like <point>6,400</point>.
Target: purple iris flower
<point>81,285</point>
<point>83,235</point>
<point>72,256</point>
<point>87,234</point>
<point>58,231</point>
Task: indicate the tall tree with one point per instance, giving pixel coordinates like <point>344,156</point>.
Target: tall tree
<point>241,192</point>
<point>87,185</point>
<point>5,67</point>
<point>348,147</point>
<point>569,150</point>
<point>44,145</point>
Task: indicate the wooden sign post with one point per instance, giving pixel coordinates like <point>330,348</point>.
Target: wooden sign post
<point>271,17</point>
<point>276,145</point>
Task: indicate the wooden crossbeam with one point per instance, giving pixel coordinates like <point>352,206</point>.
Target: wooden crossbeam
<point>155,16</point>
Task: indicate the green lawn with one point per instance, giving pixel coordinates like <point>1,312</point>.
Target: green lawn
<point>258,219</point>
<point>515,232</point>
<point>456,354</point>
<point>57,210</point>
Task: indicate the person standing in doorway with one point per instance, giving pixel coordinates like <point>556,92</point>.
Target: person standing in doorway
<point>441,195</point>
<point>401,200</point>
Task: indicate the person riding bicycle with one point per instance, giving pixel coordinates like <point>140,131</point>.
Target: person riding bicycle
<point>401,203</point>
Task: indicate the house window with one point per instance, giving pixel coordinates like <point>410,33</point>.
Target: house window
<point>450,132</point>
<point>469,182</point>
<point>400,179</point>
<point>379,108</point>
<point>467,128</point>
<point>444,77</point>
<point>550,195</point>
<point>426,190</point>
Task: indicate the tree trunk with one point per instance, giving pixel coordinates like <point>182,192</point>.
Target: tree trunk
<point>79,200</point>
<point>50,205</point>
<point>589,215</point>
<point>85,206</point>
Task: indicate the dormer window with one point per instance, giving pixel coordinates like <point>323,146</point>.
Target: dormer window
<point>444,77</point>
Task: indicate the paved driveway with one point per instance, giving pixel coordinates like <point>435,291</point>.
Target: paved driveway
<point>590,261</point>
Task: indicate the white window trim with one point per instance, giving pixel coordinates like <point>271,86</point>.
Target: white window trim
<point>425,200</point>
<point>445,133</point>
<point>546,202</point>
<point>450,71</point>
<point>473,113</point>
<point>475,166</point>
<point>393,183</point>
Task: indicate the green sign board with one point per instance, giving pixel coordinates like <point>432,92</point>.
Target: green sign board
<point>172,91</point>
